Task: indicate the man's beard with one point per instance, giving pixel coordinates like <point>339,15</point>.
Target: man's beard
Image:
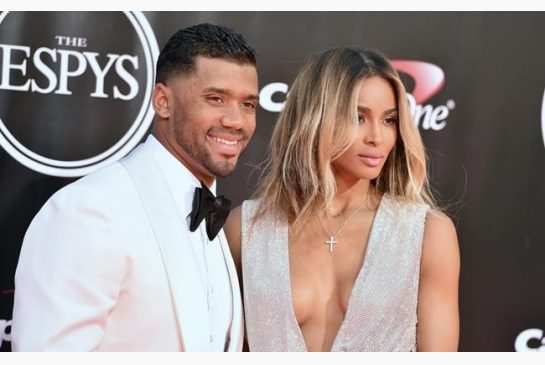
<point>200,154</point>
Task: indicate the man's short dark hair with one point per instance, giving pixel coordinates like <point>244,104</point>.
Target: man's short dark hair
<point>208,40</point>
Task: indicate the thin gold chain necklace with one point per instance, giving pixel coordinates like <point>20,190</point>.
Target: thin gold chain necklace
<point>333,237</point>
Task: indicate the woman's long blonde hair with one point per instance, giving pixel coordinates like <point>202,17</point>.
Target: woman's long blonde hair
<point>318,124</point>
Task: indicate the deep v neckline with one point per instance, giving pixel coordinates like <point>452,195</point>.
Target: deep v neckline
<point>368,254</point>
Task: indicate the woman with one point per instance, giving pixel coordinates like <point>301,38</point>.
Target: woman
<point>341,250</point>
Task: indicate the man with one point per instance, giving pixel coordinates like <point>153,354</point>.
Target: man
<point>120,260</point>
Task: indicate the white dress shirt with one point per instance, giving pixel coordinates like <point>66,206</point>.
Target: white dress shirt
<point>208,254</point>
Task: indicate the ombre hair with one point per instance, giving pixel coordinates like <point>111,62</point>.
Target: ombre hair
<point>318,125</point>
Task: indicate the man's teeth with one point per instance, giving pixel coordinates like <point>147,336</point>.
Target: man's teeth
<point>224,141</point>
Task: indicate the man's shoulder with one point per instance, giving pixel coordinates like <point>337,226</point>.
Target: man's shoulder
<point>109,185</point>
<point>111,178</point>
<point>107,178</point>
<point>96,189</point>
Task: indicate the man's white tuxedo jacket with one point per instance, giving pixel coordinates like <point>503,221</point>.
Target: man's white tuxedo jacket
<point>106,265</point>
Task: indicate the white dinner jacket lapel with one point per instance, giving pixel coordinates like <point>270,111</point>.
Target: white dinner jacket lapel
<point>236,335</point>
<point>172,237</point>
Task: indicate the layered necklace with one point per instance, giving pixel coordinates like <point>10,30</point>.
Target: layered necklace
<point>333,237</point>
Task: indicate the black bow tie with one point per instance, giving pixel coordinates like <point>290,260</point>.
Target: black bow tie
<point>213,209</point>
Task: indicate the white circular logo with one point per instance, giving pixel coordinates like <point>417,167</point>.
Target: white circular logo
<point>59,65</point>
<point>5,335</point>
<point>531,334</point>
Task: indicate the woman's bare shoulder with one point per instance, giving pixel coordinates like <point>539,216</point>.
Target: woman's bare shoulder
<point>440,244</point>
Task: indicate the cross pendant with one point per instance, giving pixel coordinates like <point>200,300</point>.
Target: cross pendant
<point>331,241</point>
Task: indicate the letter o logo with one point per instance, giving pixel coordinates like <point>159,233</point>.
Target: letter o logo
<point>521,343</point>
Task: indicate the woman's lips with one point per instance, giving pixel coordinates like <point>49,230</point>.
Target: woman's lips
<point>371,160</point>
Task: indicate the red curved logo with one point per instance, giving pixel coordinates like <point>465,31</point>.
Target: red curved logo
<point>428,78</point>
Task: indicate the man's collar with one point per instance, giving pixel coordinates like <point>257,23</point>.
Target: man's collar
<point>181,181</point>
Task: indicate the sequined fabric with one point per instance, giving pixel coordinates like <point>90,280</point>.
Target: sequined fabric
<point>381,313</point>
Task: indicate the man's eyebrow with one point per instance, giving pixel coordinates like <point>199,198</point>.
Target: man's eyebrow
<point>227,92</point>
<point>218,90</point>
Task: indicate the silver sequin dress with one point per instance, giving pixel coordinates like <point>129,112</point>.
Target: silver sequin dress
<point>381,312</point>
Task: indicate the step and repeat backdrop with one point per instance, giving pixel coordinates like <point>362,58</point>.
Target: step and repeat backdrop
<point>75,90</point>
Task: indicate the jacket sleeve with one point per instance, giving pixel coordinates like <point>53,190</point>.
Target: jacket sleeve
<point>69,274</point>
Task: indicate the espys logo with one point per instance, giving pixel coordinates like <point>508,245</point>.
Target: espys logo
<point>69,76</point>
<point>532,339</point>
<point>428,79</point>
<point>5,331</point>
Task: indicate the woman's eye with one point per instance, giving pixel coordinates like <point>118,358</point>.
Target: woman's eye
<point>391,120</point>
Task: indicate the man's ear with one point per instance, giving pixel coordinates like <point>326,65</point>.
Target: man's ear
<point>160,100</point>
